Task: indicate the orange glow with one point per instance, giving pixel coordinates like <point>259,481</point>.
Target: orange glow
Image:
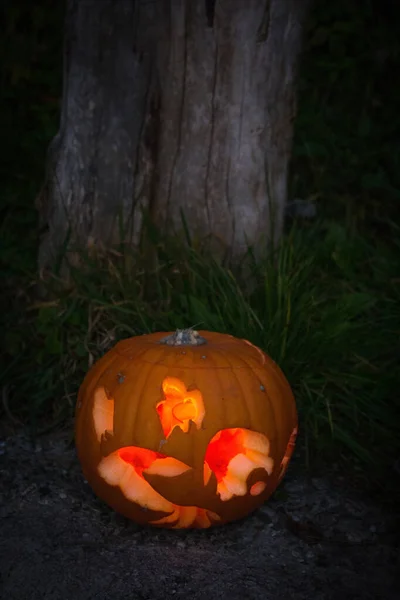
<point>125,467</point>
<point>120,473</point>
<point>223,447</point>
<point>232,455</point>
<point>179,407</point>
<point>289,452</point>
<point>257,488</point>
<point>139,458</point>
<point>103,412</point>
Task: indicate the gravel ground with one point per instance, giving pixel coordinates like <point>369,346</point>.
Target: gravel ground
<point>316,539</point>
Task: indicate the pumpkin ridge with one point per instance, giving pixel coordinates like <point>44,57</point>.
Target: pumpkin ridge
<point>242,395</point>
<point>268,399</point>
<point>277,376</point>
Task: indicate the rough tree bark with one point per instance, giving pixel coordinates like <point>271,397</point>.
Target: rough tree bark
<point>171,106</point>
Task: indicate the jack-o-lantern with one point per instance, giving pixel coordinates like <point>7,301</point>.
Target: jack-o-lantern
<point>185,429</point>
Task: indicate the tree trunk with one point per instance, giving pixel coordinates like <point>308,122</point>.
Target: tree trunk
<point>171,108</point>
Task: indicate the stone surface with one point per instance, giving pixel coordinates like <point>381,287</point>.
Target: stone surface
<point>316,539</point>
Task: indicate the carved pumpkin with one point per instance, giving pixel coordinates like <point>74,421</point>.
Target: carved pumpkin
<point>186,429</point>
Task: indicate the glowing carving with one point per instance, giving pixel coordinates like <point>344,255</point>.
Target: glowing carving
<point>288,453</point>
<point>257,488</point>
<point>180,406</point>
<point>125,467</point>
<point>232,455</point>
<point>103,413</point>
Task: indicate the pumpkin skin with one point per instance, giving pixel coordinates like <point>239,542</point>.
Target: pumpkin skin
<point>185,429</point>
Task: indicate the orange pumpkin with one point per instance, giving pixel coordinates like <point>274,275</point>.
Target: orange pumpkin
<point>185,429</point>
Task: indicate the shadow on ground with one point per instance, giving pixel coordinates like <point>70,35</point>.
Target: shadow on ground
<point>313,540</point>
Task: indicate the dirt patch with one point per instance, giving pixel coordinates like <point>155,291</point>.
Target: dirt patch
<point>315,540</point>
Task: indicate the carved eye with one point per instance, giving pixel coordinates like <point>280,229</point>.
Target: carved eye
<point>187,430</point>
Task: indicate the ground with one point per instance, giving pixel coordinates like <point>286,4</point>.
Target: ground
<point>315,539</point>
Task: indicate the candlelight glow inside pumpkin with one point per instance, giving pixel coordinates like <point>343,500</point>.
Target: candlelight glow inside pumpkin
<point>180,406</point>
<point>223,415</point>
<point>232,455</point>
<point>125,468</point>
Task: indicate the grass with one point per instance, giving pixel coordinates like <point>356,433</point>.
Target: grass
<point>325,306</point>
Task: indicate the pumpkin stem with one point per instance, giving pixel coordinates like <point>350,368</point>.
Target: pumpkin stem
<point>184,337</point>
